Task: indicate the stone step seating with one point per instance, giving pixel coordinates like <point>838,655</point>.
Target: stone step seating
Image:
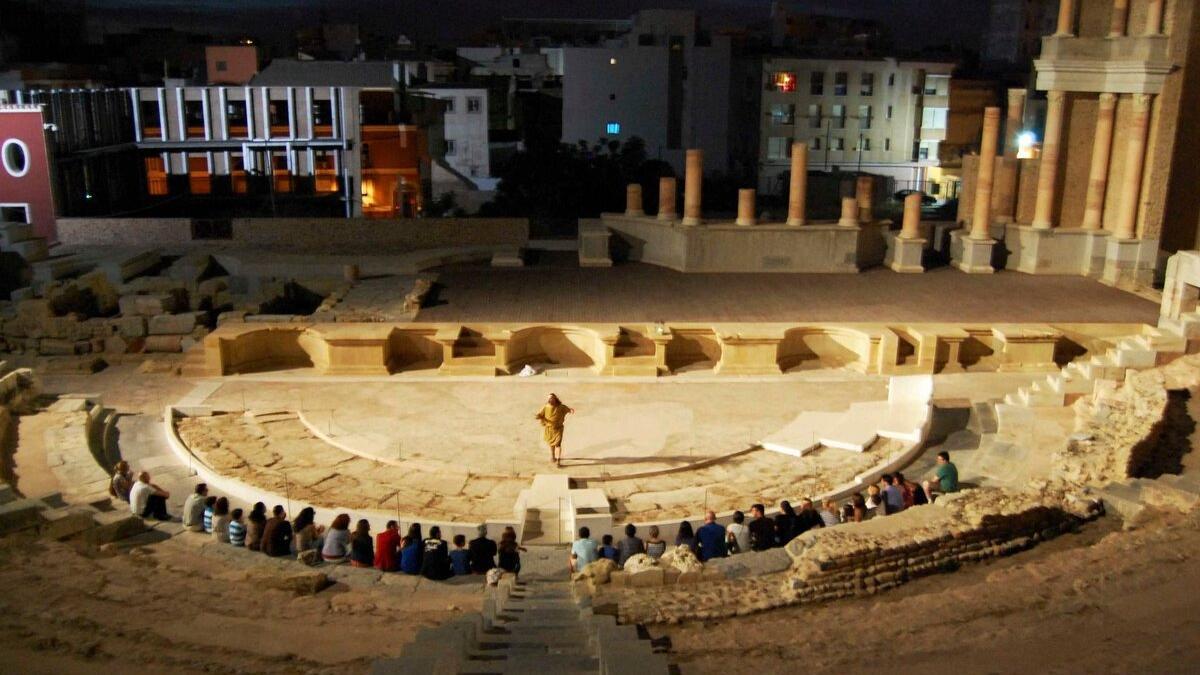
<point>193,361</point>
<point>1128,498</point>
<point>1079,378</point>
<point>50,516</point>
<point>19,238</point>
<point>527,627</point>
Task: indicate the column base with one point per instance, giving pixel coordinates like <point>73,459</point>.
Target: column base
<point>905,255</point>
<point>1129,263</point>
<point>689,221</point>
<point>667,216</point>
<point>1056,251</point>
<point>796,222</point>
<point>973,256</point>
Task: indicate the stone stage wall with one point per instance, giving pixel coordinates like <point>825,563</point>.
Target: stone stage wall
<point>651,349</point>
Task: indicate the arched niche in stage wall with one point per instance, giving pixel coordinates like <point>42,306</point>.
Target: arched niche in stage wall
<point>271,348</point>
<point>813,347</point>
<point>555,347</point>
<point>693,349</point>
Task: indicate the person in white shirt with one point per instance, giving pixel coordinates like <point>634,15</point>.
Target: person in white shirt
<point>147,499</point>
<point>829,513</point>
<point>193,509</point>
<point>737,535</point>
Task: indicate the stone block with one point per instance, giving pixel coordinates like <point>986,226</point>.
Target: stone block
<point>131,326</point>
<point>230,317</point>
<point>171,344</point>
<point>32,250</point>
<point>58,347</point>
<point>172,324</point>
<point>21,294</point>
<point>124,266</point>
<point>150,305</point>
<point>191,268</point>
<point>34,309</point>
<point>11,233</point>
<point>113,526</point>
<point>689,578</point>
<point>650,578</point>
<point>20,514</point>
<point>65,523</point>
<point>116,345</point>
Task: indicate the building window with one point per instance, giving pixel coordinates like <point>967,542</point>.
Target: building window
<point>891,79</point>
<point>449,104</point>
<point>612,128</point>
<point>782,113</point>
<point>222,66</point>
<point>839,116</point>
<point>450,147</point>
<point>777,147</point>
<point>612,61</point>
<point>474,104</point>
<point>785,81</point>
<point>14,213</point>
<point>840,82</point>
<point>816,143</point>
<point>516,63</point>
<point>867,85</point>
<point>933,118</point>
<point>864,144</point>
<point>814,116</point>
<point>923,152</point>
<point>15,156</point>
<point>864,117</point>
<point>889,112</point>
<point>887,144</point>
<point>816,83</point>
<point>839,144</point>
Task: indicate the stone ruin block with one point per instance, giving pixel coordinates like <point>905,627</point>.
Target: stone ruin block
<point>61,347</point>
<point>153,304</point>
<point>167,344</point>
<point>131,326</point>
<point>173,324</point>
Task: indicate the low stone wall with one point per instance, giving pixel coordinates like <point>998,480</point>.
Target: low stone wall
<point>301,234</point>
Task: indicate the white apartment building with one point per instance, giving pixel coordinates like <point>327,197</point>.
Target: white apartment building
<point>880,116</point>
<point>465,128</point>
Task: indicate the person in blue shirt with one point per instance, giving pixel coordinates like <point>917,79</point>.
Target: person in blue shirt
<point>607,550</point>
<point>583,551</point>
<point>411,550</point>
<point>711,537</point>
<point>460,558</point>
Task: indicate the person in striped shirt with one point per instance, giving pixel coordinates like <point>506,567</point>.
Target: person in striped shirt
<point>237,529</point>
<point>209,503</point>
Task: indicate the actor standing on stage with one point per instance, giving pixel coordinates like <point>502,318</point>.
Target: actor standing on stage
<point>552,416</point>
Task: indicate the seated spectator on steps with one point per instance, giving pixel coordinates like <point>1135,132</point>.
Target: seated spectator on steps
<point>737,537</point>
<point>785,523</point>
<point>914,494</point>
<point>762,530</point>
<point>711,537</point>
<point>277,534</point>
<point>237,528</point>
<point>435,559</point>
<point>193,508</point>
<point>482,551</point>
<point>584,551</point>
<point>509,552</point>
<point>685,536</point>
<point>147,499</point>
<point>387,547</point>
<point>307,533</point>
<point>121,482</point>
<point>893,498</point>
<point>829,513</point>
<point>630,546</point>
<point>655,547</point>
<point>410,550</point>
<point>337,540</point>
<point>362,551</point>
<point>945,477</point>
<point>460,557</point>
<point>221,520</point>
<point>874,499</point>
<point>209,503</point>
<point>607,550</point>
<point>255,522</point>
<point>859,508</point>
<point>808,518</point>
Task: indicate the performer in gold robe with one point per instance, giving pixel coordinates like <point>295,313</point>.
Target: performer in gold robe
<point>552,416</point>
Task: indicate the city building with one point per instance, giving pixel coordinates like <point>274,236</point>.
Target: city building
<point>26,190</point>
<point>231,64</point>
<point>465,130</point>
<point>882,116</point>
<point>665,81</point>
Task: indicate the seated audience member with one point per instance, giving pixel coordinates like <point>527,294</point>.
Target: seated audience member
<point>737,537</point>
<point>686,536</point>
<point>847,514</point>
<point>509,552</point>
<point>858,508</point>
<point>460,557</point>
<point>630,546</point>
<point>387,547</point>
<point>874,499</point>
<point>221,520</point>
<point>829,513</point>
<point>411,549</point>
<point>808,518</point>
<point>482,551</point>
<point>121,482</point>
<point>435,559</point>
<point>193,508</point>
<point>914,494</point>
<point>147,499</point>
<point>945,477</point>
<point>584,550</point>
<point>237,528</point>
<point>762,530</point>
<point>255,522</point>
<point>655,546</point>
<point>711,537</point>
<point>893,497</point>
<point>785,523</point>
<point>607,550</point>
<point>362,551</point>
<point>308,535</point>
<point>337,540</point>
<point>277,534</point>
<point>209,504</point>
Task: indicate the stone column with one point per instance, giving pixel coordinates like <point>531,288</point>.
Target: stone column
<point>693,175</point>
<point>1101,152</point>
<point>1043,209</point>
<point>633,200</point>
<point>1135,157</point>
<point>863,195</point>
<point>911,226</point>
<point>745,212</point>
<point>1014,121</point>
<point>849,212</point>
<point>1154,17</point>
<point>1119,18</point>
<point>1066,18</point>
<point>981,217</point>
<point>666,198</point>
<point>798,185</point>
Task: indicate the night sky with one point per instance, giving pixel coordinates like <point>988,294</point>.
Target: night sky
<point>913,23</point>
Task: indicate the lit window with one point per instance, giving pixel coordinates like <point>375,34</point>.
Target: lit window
<point>474,104</point>
<point>867,86</point>
<point>839,117</point>
<point>840,82</point>
<point>612,128</point>
<point>612,61</point>
<point>785,81</point>
<point>782,113</point>
<point>933,118</point>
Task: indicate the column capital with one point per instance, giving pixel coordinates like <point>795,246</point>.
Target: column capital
<point>1108,99</point>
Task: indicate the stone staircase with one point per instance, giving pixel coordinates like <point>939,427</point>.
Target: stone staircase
<point>1128,498</point>
<point>534,625</point>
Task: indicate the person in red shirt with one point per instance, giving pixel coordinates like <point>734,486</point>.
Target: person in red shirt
<point>387,547</point>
